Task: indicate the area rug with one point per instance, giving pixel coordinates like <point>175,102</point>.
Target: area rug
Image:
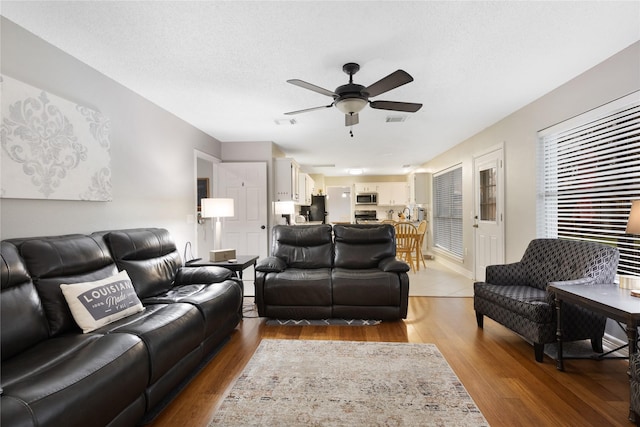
<point>346,383</point>
<point>322,322</point>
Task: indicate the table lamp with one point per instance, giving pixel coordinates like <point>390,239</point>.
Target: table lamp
<point>633,227</point>
<point>286,209</point>
<point>217,208</point>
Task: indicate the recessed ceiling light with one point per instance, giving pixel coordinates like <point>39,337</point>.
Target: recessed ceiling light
<point>355,171</point>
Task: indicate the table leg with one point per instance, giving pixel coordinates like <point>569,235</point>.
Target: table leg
<point>559,361</point>
<point>632,336</point>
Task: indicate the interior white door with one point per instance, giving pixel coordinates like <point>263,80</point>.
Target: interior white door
<point>246,184</point>
<point>489,211</point>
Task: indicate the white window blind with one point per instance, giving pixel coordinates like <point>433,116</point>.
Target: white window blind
<point>590,174</point>
<point>447,211</point>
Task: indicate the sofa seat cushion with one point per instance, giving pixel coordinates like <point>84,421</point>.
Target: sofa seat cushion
<point>169,332</point>
<point>526,301</point>
<point>367,287</point>
<point>299,287</point>
<point>217,302</point>
<point>66,380</point>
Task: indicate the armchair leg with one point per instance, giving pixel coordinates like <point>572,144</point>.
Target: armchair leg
<point>538,350</point>
<point>596,345</point>
<point>479,320</point>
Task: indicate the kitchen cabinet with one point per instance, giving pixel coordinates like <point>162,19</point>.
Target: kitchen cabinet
<point>306,188</point>
<point>287,175</point>
<point>393,194</point>
<point>419,188</point>
<point>366,187</point>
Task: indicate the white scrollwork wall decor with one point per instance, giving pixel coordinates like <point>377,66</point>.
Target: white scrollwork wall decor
<point>52,148</point>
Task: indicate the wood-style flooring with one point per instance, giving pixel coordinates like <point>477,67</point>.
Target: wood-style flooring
<point>496,366</point>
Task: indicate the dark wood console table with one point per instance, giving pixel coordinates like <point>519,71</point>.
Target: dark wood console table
<point>608,300</point>
<point>241,263</point>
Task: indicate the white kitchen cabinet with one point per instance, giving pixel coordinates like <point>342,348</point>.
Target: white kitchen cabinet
<point>366,187</point>
<point>306,187</point>
<point>287,175</point>
<point>393,194</point>
<point>419,188</point>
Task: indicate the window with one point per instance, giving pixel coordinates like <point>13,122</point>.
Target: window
<point>447,211</point>
<point>590,173</point>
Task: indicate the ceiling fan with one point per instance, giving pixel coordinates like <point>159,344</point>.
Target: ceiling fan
<point>352,98</point>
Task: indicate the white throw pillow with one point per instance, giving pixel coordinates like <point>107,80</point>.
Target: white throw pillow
<point>95,304</point>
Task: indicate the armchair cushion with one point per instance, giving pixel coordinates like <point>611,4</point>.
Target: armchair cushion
<point>303,246</point>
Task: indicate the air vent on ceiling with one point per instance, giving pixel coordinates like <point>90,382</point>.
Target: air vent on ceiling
<point>395,119</point>
<point>324,166</point>
<point>284,122</point>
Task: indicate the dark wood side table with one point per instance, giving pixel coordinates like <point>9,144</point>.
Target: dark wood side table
<point>241,263</point>
<point>609,300</point>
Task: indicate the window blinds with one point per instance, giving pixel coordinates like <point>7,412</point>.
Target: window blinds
<point>447,211</point>
<point>590,174</point>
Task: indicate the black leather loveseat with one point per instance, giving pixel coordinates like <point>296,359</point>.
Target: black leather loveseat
<point>351,273</point>
<point>120,373</point>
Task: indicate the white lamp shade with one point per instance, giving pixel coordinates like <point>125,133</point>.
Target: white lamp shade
<point>351,105</point>
<point>633,225</point>
<point>285,208</point>
<point>217,208</point>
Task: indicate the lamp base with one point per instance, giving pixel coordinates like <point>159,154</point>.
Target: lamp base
<point>219,255</point>
<point>629,282</point>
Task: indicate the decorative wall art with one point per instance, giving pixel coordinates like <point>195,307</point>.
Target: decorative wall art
<point>52,148</point>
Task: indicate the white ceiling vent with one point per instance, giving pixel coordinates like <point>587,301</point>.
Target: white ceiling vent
<point>286,122</point>
<point>396,119</point>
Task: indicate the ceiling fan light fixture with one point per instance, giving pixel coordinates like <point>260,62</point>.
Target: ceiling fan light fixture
<point>351,105</point>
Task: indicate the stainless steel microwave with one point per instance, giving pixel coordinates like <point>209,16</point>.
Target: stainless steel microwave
<point>366,198</point>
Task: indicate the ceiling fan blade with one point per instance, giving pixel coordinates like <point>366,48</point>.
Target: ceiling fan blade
<point>409,107</point>
<point>392,81</point>
<point>308,109</point>
<point>351,119</point>
<point>312,87</point>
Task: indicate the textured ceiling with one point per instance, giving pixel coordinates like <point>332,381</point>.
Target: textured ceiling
<point>222,66</point>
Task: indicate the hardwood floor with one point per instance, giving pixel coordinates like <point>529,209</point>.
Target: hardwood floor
<point>496,367</point>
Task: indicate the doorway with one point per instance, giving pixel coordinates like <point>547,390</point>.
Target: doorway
<point>488,210</point>
<point>338,204</point>
<point>203,165</point>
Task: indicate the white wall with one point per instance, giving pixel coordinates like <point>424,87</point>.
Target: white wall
<point>151,150</point>
<point>609,80</point>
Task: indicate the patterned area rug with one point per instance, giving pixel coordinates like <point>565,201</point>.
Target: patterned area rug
<point>323,322</point>
<point>344,383</point>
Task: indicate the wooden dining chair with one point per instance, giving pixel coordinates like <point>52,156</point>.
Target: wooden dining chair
<point>406,241</point>
<point>422,231</point>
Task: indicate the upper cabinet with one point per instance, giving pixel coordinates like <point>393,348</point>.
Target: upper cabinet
<point>419,188</point>
<point>393,193</point>
<point>366,187</point>
<point>287,175</point>
<point>306,187</point>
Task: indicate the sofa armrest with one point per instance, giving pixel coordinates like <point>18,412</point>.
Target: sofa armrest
<point>271,265</point>
<point>512,274</point>
<point>202,275</point>
<point>393,265</point>
<point>581,281</point>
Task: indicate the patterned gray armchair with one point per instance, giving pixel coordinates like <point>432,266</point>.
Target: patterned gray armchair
<point>515,295</point>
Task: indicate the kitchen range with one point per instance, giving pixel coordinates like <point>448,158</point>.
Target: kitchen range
<point>365,216</point>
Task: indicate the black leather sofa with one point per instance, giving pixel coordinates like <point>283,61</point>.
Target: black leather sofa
<point>121,373</point>
<point>320,272</point>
